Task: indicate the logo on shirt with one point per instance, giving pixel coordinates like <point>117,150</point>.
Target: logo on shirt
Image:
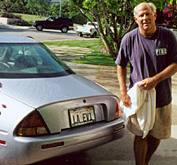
<point>161,52</point>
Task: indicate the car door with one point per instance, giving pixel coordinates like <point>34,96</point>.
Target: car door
<point>58,23</point>
<point>49,23</point>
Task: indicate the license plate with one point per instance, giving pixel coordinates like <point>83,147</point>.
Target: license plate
<point>81,116</point>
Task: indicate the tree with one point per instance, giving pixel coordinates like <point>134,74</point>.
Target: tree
<point>65,9</point>
<point>11,5</point>
<point>115,19</point>
<point>39,7</point>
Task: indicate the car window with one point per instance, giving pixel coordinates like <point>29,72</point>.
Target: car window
<point>30,60</point>
<point>2,51</point>
<point>51,19</point>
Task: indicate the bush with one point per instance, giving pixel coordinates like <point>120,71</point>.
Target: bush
<point>79,19</point>
<point>170,14</point>
<point>10,15</point>
<point>22,23</point>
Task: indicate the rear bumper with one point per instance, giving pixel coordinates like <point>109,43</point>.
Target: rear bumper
<point>30,150</point>
<point>70,28</point>
<point>84,33</point>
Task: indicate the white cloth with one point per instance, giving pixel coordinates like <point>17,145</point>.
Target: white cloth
<point>143,106</point>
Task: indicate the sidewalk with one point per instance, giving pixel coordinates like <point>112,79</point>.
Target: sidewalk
<point>15,27</point>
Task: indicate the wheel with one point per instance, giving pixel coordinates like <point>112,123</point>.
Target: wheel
<point>39,27</point>
<point>80,34</point>
<point>64,29</point>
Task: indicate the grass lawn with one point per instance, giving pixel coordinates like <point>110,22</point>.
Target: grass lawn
<point>29,18</point>
<point>95,57</point>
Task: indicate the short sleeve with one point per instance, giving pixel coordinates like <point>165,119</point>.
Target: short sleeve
<point>172,47</point>
<point>122,57</point>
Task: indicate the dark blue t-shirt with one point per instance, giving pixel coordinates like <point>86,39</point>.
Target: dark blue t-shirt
<point>149,56</point>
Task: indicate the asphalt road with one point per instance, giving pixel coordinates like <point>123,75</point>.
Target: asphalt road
<point>119,152</point>
<point>45,35</point>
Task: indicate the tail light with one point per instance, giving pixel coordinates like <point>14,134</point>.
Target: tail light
<point>118,111</point>
<point>90,30</point>
<point>32,125</point>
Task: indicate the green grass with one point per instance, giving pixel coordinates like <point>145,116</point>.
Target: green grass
<point>29,18</point>
<point>95,57</point>
<point>93,44</point>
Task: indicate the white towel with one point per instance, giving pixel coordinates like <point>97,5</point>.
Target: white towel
<point>143,106</point>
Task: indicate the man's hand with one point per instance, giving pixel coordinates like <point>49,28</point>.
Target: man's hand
<point>151,82</point>
<point>126,99</point>
<point>148,83</point>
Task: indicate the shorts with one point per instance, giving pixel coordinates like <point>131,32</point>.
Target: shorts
<point>163,121</point>
<point>162,124</point>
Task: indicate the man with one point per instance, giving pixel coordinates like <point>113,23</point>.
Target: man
<point>152,54</point>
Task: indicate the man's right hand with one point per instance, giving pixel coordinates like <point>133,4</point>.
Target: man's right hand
<point>126,99</point>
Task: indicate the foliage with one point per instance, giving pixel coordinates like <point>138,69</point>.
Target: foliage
<point>173,2</point>
<point>170,14</point>
<point>22,23</point>
<point>39,7</point>
<point>115,18</point>
<point>9,15</point>
<point>54,10</point>
<point>79,19</point>
<point>10,5</point>
<point>67,11</point>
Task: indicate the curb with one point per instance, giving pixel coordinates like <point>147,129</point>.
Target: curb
<point>16,27</point>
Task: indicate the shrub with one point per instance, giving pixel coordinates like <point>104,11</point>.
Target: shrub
<point>79,19</point>
<point>9,15</point>
<point>22,23</point>
<point>170,14</point>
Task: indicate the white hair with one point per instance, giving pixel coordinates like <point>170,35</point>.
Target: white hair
<point>151,5</point>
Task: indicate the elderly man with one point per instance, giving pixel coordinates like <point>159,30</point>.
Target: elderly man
<point>152,54</point>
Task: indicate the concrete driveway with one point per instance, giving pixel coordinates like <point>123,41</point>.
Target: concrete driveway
<point>167,151</point>
<point>119,152</point>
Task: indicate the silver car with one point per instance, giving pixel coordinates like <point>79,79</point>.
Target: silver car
<point>48,110</point>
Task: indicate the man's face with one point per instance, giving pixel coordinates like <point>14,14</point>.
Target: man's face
<point>145,18</point>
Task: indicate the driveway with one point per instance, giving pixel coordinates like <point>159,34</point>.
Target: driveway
<point>119,152</point>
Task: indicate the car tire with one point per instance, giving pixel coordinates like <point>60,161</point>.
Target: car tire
<point>39,27</point>
<point>64,29</point>
<point>80,34</point>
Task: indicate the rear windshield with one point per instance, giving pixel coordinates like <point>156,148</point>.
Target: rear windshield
<point>30,61</point>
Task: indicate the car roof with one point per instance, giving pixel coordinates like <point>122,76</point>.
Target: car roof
<point>9,38</point>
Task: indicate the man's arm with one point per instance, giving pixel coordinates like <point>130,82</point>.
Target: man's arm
<point>121,75</point>
<point>151,82</point>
